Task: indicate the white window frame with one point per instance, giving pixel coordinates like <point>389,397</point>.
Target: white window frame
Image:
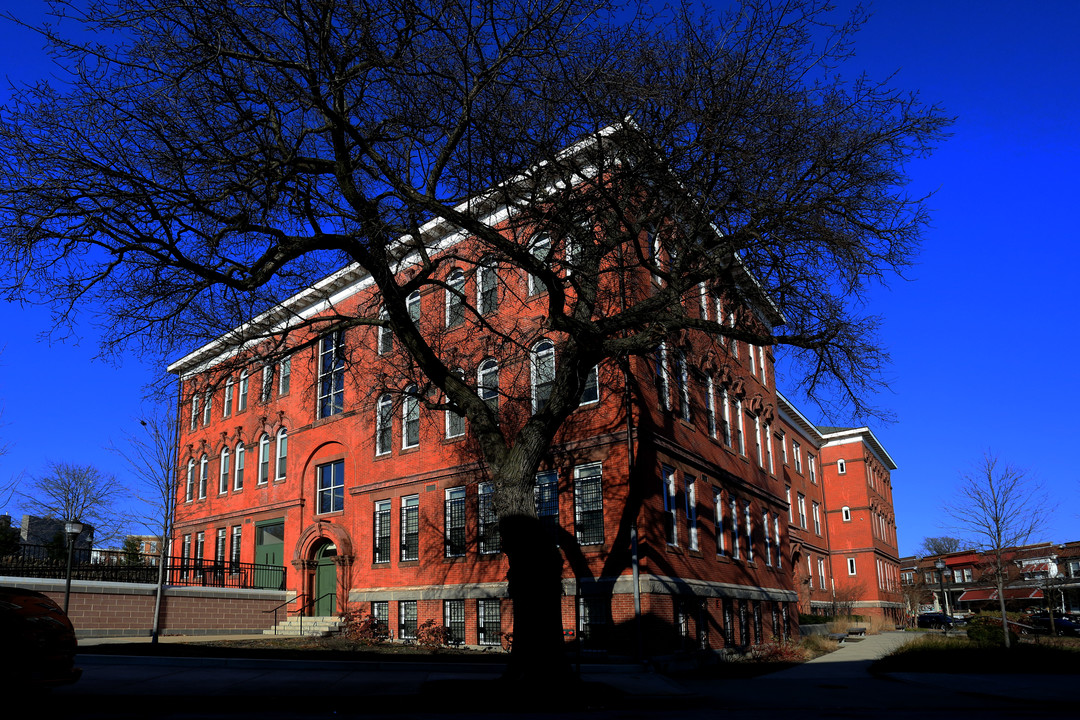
<point>841,467</point>
<point>543,362</point>
<point>284,375</point>
<point>264,459</point>
<point>718,522</point>
<point>384,424</point>
<point>541,250</point>
<point>845,513</point>
<point>455,299</point>
<point>230,387</point>
<point>239,461</point>
<point>204,470</point>
<point>851,568</point>
<point>488,391</point>
<point>487,279</point>
<point>410,419</point>
<point>224,470</point>
<point>281,455</point>
<point>242,392</point>
<point>691,513</point>
<point>671,536</point>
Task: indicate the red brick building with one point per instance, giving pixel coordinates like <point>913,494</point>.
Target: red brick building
<point>694,506</point>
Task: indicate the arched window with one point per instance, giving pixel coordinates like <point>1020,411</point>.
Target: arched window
<point>264,459</point>
<point>238,474</point>
<point>226,409</point>
<point>487,383</point>
<point>282,453</point>
<point>543,373</point>
<point>189,488</point>
<point>841,467</point>
<point>410,418</point>
<point>203,469</point>
<point>487,286</point>
<point>384,424</point>
<point>455,300</point>
<point>541,249</point>
<point>412,306</point>
<point>224,471</point>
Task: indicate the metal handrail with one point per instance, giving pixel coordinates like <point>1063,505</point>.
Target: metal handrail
<point>299,610</point>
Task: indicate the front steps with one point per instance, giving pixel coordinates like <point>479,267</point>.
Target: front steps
<point>310,626</point>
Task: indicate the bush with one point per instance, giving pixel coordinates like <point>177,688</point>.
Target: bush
<point>361,627</point>
<point>985,631</point>
<point>430,634</point>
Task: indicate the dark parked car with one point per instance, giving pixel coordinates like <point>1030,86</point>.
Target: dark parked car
<point>38,641</point>
<point>1062,625</point>
<point>938,621</point>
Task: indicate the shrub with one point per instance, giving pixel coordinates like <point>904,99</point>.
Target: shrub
<point>430,634</point>
<point>360,626</point>
<point>985,631</point>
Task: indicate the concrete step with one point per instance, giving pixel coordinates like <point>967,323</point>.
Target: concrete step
<point>307,626</point>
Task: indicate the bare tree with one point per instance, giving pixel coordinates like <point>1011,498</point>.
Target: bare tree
<point>998,507</point>
<point>205,160</point>
<point>941,545</point>
<point>80,493</point>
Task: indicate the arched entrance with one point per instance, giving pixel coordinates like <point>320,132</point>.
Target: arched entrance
<point>325,589</point>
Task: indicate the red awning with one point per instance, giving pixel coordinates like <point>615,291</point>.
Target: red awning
<point>1035,568</point>
<point>1010,594</point>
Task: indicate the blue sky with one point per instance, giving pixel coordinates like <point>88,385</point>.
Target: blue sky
<point>981,334</point>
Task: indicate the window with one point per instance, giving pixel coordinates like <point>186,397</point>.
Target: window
<point>845,513</point>
<point>671,528</point>
<point>751,356</point>
<point>811,467</point>
<point>547,500</point>
<point>739,427</point>
<point>488,621</point>
<point>194,411</point>
<point>384,419</point>
<point>380,617</point>
<point>410,528</point>
<point>487,287</point>
<point>734,508</point>
<point>454,521</point>
<point>282,454</point>
<point>817,518</point>
<point>776,537</point>
<point>200,545</point>
<point>455,424</point>
<point>543,374</point>
<point>593,615</point>
<point>588,504</point>
<point>761,361</point>
<point>710,405</point>
<point>331,487</point>
<point>381,526</point>
<point>540,250</point>
<point>234,549</point>
<point>238,474</point>
<point>454,620</point>
<point>767,538</point>
<point>718,522</point>
<point>242,392</point>
<point>267,389</point>
<point>204,466</point>
<point>410,418</point>
<point>758,442</point>
<point>208,406</point>
<point>749,532</point>
<point>407,619</point>
<point>802,510</point>
<point>189,487</point>
<point>787,493</point>
<point>810,571</point>
<point>412,306</point>
<point>821,572</point>
<point>219,546</point>
<point>967,575</point>
<point>331,375</point>
<point>284,375</point>
<point>591,392</point>
<point>682,385</point>
<point>727,416</point>
<point>264,459</point>
<point>487,520</point>
<point>185,554</point>
<point>224,471</point>
<point>385,341</point>
<point>795,450</point>
<point>660,359</point>
<point>691,513</point>
<point>455,298</point>
<point>783,446</point>
<point>841,467</point>
<point>851,566</point>
<point>487,383</point>
<point>226,406</point>
<point>768,448</point>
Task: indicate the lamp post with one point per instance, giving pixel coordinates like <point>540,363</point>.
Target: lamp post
<point>72,529</point>
<point>940,565</point>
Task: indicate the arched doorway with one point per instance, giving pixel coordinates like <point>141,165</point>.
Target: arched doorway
<point>325,590</point>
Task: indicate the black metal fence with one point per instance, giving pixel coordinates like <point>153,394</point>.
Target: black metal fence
<point>48,561</point>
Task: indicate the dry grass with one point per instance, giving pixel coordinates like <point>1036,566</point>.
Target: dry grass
<point>873,625</point>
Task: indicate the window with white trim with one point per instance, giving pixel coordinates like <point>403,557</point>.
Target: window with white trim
<point>282,454</point>
<point>710,405</point>
<point>412,306</point>
<point>541,249</point>
<point>682,385</point>
<point>204,468</point>
<point>189,486</point>
<point>234,546</point>
<point>224,471</point>
<point>777,537</point>
<point>454,522</point>
<point>384,421</point>
<point>410,528</point>
<point>381,527</point>
<point>802,511</point>
<point>208,406</point>
<point>817,518</point>
<point>845,513</point>
<point>767,544</point>
<point>718,522</point>
<point>542,373</point>
<point>546,497</point>
<point>284,375</point>
<point>797,452</point>
<point>733,506</point>
<point>851,566</point>
<point>330,479</point>
<point>455,298</point>
<point>488,621</point>
<point>264,459</point>
<point>407,619</point>
<point>331,375</point>
<point>589,504</point>
<point>821,572</point>
<point>267,388</point>
<point>691,513</point>
<point>487,383</point>
<point>385,340</point>
<point>238,470</point>
<point>487,287</point>
<point>841,467</point>
<point>410,418</point>
<point>811,467</point>
<point>671,526</point>
<point>455,421</point>
<point>242,392</point>
<point>226,407</point>
<point>749,532</point>
<point>591,392</point>
<point>194,410</point>
<point>662,388</point>
<point>488,522</point>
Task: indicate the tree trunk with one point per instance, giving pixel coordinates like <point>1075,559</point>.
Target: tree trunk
<point>535,586</point>
<point>1004,617</point>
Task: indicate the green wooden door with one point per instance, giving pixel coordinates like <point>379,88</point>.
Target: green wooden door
<point>270,555</point>
<point>326,580</point>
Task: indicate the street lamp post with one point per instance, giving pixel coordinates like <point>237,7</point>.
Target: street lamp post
<point>73,530</point>
<point>940,565</point>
